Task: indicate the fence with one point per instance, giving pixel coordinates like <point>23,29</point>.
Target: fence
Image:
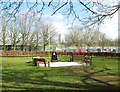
<point>27,48</point>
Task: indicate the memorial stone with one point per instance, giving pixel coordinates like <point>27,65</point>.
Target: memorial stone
<point>54,57</point>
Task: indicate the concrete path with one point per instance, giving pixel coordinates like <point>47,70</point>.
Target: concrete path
<point>60,64</point>
<point>63,64</point>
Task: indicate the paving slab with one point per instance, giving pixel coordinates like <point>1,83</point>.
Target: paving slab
<point>61,64</point>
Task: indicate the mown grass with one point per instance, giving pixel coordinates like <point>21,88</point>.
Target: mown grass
<point>19,73</point>
<point>108,64</point>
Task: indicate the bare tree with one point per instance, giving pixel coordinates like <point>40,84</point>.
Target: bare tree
<point>115,42</point>
<point>90,37</point>
<point>88,12</point>
<point>112,42</point>
<point>47,33</point>
<point>14,33</point>
<point>37,34</point>
<point>25,29</point>
<point>82,37</point>
<point>96,10</point>
<point>4,29</point>
<point>74,37</point>
<point>102,40</point>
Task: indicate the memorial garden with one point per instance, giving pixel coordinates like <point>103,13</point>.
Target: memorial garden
<point>19,73</point>
<point>59,45</point>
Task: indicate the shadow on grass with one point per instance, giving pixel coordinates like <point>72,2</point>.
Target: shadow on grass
<point>30,63</point>
<point>37,78</point>
<point>41,81</point>
<point>91,75</point>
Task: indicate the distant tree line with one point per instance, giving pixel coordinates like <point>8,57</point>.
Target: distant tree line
<point>30,31</point>
<point>27,30</point>
<point>88,37</point>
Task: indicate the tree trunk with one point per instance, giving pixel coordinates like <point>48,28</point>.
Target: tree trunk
<point>23,43</point>
<point>44,47</point>
<point>14,47</point>
<point>23,47</point>
<point>4,47</point>
<point>4,40</point>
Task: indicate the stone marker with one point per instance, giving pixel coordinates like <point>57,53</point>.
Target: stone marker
<point>54,57</point>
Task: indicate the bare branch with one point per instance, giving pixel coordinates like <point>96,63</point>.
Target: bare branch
<point>96,15</point>
<point>43,5</point>
<point>34,5</point>
<point>88,8</point>
<point>15,11</point>
<point>60,8</point>
<point>50,2</point>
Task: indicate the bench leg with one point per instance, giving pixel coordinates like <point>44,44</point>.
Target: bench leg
<point>90,63</point>
<point>71,60</point>
<point>37,64</point>
<point>34,61</point>
<point>45,64</point>
<point>48,64</point>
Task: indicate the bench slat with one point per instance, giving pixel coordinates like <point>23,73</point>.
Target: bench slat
<point>78,57</point>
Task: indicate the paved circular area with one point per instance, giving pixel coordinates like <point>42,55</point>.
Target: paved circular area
<point>60,64</point>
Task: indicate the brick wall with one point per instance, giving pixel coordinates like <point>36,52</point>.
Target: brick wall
<point>21,53</point>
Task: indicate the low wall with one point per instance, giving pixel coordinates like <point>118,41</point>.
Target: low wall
<point>21,53</point>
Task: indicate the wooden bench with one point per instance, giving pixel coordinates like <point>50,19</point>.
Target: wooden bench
<point>82,57</point>
<point>77,57</point>
<point>88,61</point>
<point>35,59</point>
<point>38,61</point>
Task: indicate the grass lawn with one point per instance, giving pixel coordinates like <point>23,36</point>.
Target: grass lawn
<point>108,65</point>
<point>18,73</point>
